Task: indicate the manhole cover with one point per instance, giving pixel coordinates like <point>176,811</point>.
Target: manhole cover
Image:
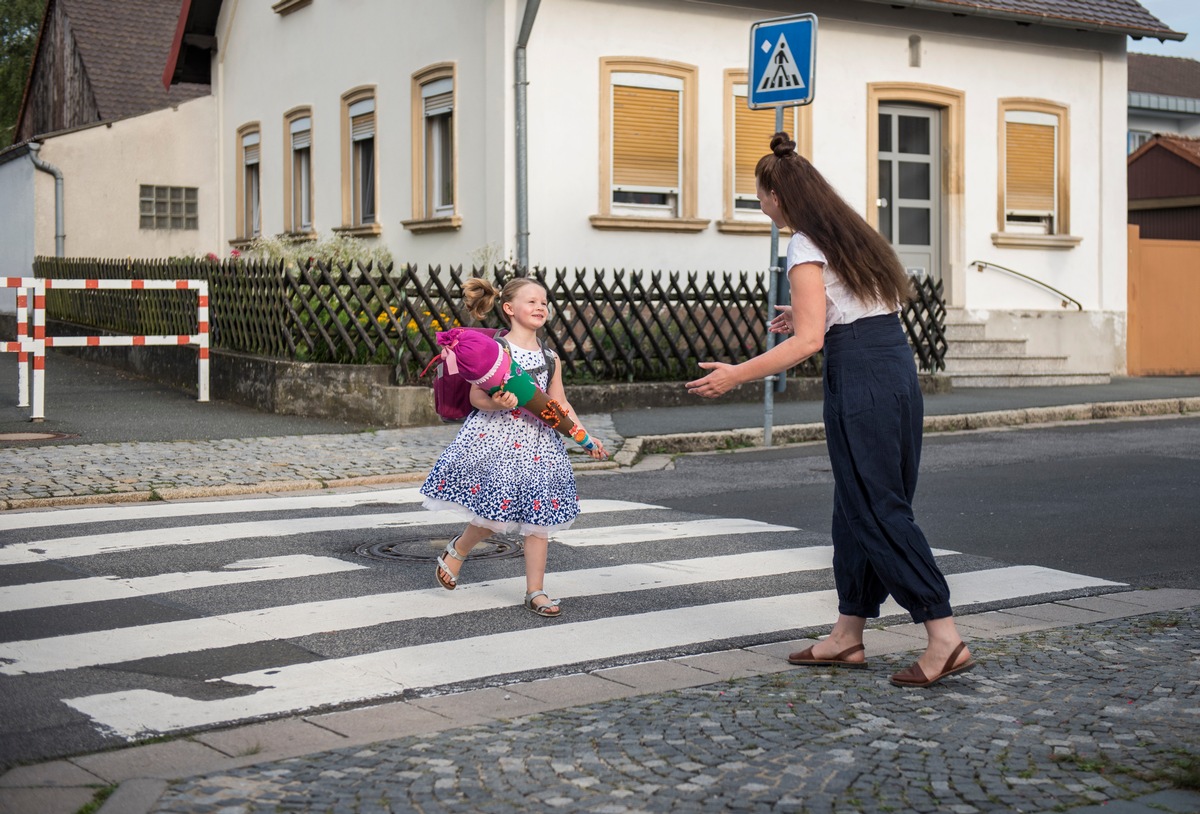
<point>31,436</point>
<point>427,549</point>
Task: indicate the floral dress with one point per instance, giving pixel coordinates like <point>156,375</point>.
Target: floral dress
<point>506,470</point>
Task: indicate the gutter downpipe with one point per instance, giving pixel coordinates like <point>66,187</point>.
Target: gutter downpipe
<point>531,10</point>
<point>60,234</point>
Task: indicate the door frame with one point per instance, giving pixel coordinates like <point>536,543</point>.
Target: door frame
<point>951,103</point>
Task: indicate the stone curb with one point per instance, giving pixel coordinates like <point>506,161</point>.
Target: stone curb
<point>634,449</point>
<point>142,773</point>
<point>720,440</point>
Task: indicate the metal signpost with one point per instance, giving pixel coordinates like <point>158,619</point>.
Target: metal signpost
<point>783,55</point>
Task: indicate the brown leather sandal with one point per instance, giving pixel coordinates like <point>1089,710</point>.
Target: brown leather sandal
<point>914,676</point>
<point>805,658</point>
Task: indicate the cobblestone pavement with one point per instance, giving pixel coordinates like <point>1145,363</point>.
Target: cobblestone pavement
<point>81,470</point>
<point>1050,721</point>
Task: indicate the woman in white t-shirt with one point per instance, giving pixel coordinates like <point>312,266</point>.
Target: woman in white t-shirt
<point>847,286</point>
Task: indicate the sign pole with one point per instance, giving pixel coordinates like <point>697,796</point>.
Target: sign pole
<point>783,56</point>
<point>772,300</point>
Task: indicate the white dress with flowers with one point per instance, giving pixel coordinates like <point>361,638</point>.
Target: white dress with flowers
<point>506,470</point>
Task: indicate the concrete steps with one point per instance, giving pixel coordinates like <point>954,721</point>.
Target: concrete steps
<point>975,360</point>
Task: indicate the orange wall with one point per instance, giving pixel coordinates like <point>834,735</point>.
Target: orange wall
<point>1164,307</point>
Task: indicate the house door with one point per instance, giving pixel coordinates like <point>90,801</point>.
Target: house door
<point>910,186</point>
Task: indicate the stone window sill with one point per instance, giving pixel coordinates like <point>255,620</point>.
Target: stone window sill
<point>1005,240</point>
<point>748,227</point>
<point>288,6</point>
<point>297,237</point>
<point>443,224</point>
<point>365,230</point>
<point>635,223</point>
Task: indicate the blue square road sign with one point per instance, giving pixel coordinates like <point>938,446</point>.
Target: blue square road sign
<point>783,54</point>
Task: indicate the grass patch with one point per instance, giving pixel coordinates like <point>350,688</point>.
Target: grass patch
<point>97,800</point>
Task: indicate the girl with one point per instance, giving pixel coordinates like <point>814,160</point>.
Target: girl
<point>847,286</point>
<point>506,470</point>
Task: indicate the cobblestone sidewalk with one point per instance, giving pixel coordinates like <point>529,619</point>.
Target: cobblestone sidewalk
<point>1050,721</point>
<point>181,469</point>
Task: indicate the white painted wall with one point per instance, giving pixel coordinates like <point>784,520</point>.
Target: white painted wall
<point>103,169</point>
<point>270,63</point>
<point>16,225</point>
<point>1154,122</point>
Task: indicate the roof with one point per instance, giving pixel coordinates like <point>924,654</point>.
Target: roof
<point>1186,147</point>
<point>1165,76</point>
<point>123,46</point>
<point>196,21</point>
<point>1127,17</point>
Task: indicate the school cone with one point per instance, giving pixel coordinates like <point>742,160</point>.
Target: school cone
<point>486,364</point>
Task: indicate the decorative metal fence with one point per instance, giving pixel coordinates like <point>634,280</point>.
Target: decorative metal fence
<point>618,326</point>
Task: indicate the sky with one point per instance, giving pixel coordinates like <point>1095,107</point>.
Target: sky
<point>1179,15</point>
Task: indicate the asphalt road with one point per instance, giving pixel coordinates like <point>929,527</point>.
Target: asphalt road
<point>1111,499</point>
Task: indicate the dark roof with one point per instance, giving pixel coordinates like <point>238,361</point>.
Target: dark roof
<point>1114,16</point>
<point>123,46</point>
<point>1166,76</point>
<point>1186,147</point>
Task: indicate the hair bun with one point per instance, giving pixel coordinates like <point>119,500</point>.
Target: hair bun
<point>782,145</point>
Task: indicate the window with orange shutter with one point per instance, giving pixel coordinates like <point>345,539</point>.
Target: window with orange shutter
<point>647,149</point>
<point>1030,172</point>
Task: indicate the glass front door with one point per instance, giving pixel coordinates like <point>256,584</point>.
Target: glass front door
<point>910,186</point>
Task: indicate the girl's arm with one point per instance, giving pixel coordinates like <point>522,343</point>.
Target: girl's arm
<point>558,393</point>
<point>503,400</point>
<point>808,325</point>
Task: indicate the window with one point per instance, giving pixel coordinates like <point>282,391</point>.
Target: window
<point>360,190</point>
<point>297,173</point>
<point>1137,138</point>
<point>1034,174</point>
<point>167,207</point>
<point>648,146</point>
<point>747,139</point>
<point>434,159</point>
<point>249,213</point>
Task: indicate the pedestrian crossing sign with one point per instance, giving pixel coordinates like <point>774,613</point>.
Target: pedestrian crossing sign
<point>783,54</point>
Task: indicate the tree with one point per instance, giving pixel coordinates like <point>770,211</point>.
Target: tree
<point>19,21</point>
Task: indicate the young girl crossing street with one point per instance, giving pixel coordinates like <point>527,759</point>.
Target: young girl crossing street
<point>506,470</point>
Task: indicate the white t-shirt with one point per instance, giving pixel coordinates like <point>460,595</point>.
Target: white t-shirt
<point>841,306</point>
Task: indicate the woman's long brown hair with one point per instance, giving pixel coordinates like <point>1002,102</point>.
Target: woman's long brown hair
<point>857,253</point>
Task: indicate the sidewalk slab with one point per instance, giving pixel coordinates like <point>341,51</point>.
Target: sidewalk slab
<point>45,800</point>
<point>178,758</point>
<point>999,623</point>
<point>1062,614</point>
<point>55,773</point>
<point>730,664</point>
<point>134,796</point>
<point>573,690</point>
<point>272,740</point>
<point>478,706</point>
<point>1158,599</point>
<point>656,676</point>
<point>368,724</point>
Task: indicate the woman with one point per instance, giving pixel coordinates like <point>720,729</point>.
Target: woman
<point>847,287</point>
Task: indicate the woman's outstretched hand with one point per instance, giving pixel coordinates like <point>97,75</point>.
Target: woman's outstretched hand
<point>717,383</point>
<point>782,324</point>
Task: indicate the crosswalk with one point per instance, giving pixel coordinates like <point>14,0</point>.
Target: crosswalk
<point>141,620</point>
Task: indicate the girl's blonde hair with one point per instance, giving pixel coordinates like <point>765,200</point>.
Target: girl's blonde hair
<point>479,295</point>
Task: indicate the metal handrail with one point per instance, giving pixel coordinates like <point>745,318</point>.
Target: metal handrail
<point>1065,298</point>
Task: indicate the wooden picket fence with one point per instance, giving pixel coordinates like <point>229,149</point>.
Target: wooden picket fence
<point>605,326</point>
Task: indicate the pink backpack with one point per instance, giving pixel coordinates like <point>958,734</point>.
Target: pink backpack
<point>452,393</point>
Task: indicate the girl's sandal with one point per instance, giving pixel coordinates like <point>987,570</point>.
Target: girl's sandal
<point>450,582</point>
<point>542,610</point>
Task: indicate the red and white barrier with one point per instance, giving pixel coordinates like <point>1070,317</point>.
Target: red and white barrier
<point>33,348</point>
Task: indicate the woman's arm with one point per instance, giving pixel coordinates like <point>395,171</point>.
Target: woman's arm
<point>808,324</point>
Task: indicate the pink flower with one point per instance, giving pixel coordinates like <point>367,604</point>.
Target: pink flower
<point>211,256</point>
<point>235,253</point>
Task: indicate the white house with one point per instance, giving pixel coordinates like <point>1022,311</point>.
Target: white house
<point>989,131</point>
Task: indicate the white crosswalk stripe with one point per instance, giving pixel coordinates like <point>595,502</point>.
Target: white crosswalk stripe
<point>605,550</point>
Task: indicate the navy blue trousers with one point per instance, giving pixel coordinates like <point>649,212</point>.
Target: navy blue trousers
<point>874,414</point>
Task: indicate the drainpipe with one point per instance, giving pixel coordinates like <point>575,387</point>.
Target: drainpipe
<point>531,9</point>
<point>60,234</point>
